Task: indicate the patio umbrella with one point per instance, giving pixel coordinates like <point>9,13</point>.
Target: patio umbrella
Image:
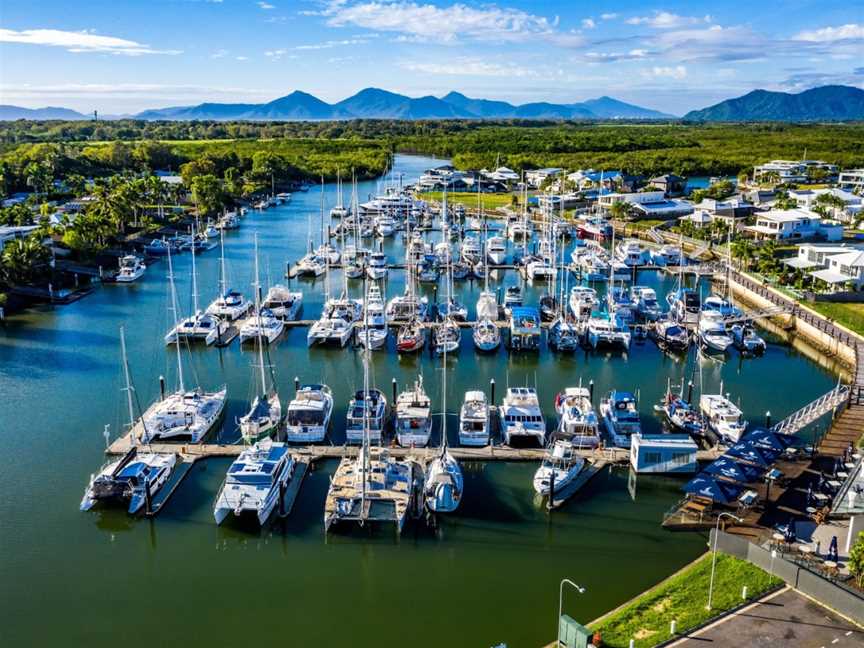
<point>734,470</point>
<point>754,454</point>
<point>770,440</point>
<point>709,487</point>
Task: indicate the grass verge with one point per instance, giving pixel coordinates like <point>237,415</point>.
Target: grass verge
<point>849,315</point>
<point>683,598</point>
<point>469,199</point>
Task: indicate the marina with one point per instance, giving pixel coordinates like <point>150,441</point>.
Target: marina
<point>600,526</point>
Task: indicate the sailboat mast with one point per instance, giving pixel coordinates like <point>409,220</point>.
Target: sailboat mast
<point>194,277</point>
<point>174,313</point>
<point>223,281</point>
<point>322,209</point>
<point>127,377</point>
<point>260,339</point>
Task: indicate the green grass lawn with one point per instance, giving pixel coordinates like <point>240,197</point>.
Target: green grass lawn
<point>849,315</point>
<point>683,598</point>
<point>469,199</point>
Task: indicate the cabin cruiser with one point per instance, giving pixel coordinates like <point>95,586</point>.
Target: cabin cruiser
<point>413,417</point>
<point>384,225</point>
<point>670,335</point>
<point>496,250</point>
<point>487,306</point>
<point>512,298</point>
<point>720,308</point>
<point>645,300</point>
<point>474,420</point>
<point>577,420</point>
<point>255,482</point>
<point>411,337</point>
<point>283,303</point>
<point>667,255</point>
<point>537,268</point>
<point>595,228</point>
<point>230,305</point>
<point>589,263</point>
<point>620,414</point>
<point>373,331</point>
<point>377,267</point>
<point>264,325</point>
<point>684,305</point>
<point>746,339</point>
<point>563,335</point>
<point>308,417</point>
<point>339,211</point>
<point>453,309</point>
<point>373,405</point>
<point>131,268</point>
<point>524,329</point>
<point>519,229</point>
<point>447,336</point>
<point>187,414</point>
<point>712,333</point>
<point>608,331</point>
<point>407,307</point>
<point>582,302</point>
<point>470,250</point>
<point>630,253</point>
<point>135,478</point>
<point>559,468</point>
<point>486,335</point>
<point>521,416</point>
<point>723,417</point>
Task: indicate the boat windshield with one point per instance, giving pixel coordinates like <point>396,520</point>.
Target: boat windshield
<point>305,417</point>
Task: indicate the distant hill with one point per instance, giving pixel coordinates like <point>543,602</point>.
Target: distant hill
<point>613,109</point>
<point>826,103</point>
<point>11,113</point>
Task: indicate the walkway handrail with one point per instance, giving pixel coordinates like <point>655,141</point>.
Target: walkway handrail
<point>812,411</point>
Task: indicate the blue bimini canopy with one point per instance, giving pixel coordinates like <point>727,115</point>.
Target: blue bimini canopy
<point>731,469</point>
<point>705,485</point>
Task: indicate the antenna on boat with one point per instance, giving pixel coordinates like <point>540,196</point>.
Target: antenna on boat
<point>260,336</point>
<point>194,279</point>
<point>174,313</point>
<point>222,280</point>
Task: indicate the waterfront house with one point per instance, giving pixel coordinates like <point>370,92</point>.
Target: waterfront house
<point>843,270</point>
<point>670,184</point>
<point>809,198</point>
<point>794,224</point>
<point>536,177</point>
<point>14,232</point>
<point>729,210</point>
<point>502,174</point>
<point>852,180</point>
<point>791,171</point>
<point>663,453</point>
<point>648,204</point>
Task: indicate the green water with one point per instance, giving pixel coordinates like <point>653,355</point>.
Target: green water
<point>489,573</point>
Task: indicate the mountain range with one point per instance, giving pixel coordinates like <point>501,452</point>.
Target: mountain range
<point>826,103</point>
<point>371,103</point>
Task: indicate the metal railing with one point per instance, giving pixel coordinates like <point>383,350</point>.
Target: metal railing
<point>813,411</point>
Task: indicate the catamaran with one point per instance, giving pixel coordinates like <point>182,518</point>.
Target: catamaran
<point>559,467</point>
<point>521,416</point>
<point>413,416</point>
<point>309,412</point>
<point>256,481</point>
<point>230,304</point>
<point>474,420</point>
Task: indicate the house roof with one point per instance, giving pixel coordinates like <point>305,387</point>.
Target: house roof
<point>830,276</point>
<point>668,177</point>
<point>801,264</point>
<point>852,259</point>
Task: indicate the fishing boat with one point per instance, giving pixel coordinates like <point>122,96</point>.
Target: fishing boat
<point>723,416</point>
<point>411,337</point>
<point>131,269</point>
<point>670,336</point>
<point>256,482</point>
<point>486,335</point>
<point>559,467</point>
<point>521,416</point>
<point>309,412</point>
<point>413,421</point>
<point>645,301</point>
<point>577,420</point>
<point>474,420</point>
<point>712,334</point>
<point>283,302</point>
<point>746,339</point>
<point>442,489</point>
<point>620,413</point>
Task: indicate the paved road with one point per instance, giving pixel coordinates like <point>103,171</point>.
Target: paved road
<point>785,619</point>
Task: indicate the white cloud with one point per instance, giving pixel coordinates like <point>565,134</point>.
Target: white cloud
<point>447,24</point>
<point>279,54</point>
<point>588,23</point>
<point>608,16</point>
<point>145,91</point>
<point>331,44</point>
<point>266,6</point>
<point>467,67</point>
<point>668,72</point>
<point>830,34</point>
<point>242,58</point>
<point>666,20</point>
<point>79,42</point>
<point>611,57</point>
<point>222,53</point>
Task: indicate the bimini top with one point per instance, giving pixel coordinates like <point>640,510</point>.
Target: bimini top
<point>621,398</point>
<point>525,312</point>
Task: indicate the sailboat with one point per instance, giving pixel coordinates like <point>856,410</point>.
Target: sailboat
<point>442,490</point>
<point>373,332</point>
<point>448,334</point>
<point>137,476</point>
<point>265,415</point>
<point>230,304</point>
<point>186,414</point>
<point>265,325</point>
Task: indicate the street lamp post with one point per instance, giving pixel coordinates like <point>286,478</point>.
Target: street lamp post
<point>579,589</point>
<point>714,556</point>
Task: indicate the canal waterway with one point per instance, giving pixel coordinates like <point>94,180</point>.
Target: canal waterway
<point>487,574</point>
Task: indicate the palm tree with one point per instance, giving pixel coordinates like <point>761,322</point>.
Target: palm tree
<point>23,259</point>
<point>621,210</point>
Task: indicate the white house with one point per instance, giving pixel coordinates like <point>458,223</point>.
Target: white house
<point>852,180</point>
<point>663,453</point>
<point>790,170</point>
<point>813,256</point>
<point>501,174</point>
<point>648,204</point>
<point>844,269</point>
<point>808,199</point>
<point>536,177</point>
<point>14,232</point>
<point>794,224</point>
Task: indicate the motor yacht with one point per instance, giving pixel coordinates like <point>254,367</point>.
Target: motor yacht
<point>521,417</point>
<point>559,467</point>
<point>723,417</point>
<point>620,413</point>
<point>283,302</point>
<point>372,404</point>
<point>577,420</point>
<point>308,416</point>
<point>413,421</point>
<point>474,420</point>
<point>131,269</point>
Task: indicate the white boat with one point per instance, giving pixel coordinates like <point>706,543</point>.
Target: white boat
<point>723,416</point>
<point>133,480</point>
<point>256,482</point>
<point>373,331</point>
<point>447,337</point>
<point>512,298</point>
<point>487,306</point>
<point>372,404</point>
<point>230,304</point>
<point>525,329</point>
<point>720,308</point>
<point>608,332</point>
<point>453,309</point>
<point>564,335</point>
<point>521,416</point>
<point>413,421</point>
<point>631,253</point>
<point>486,335</point>
<point>712,333</point>
<point>309,412</point>
<point>470,250</point>
<point>539,269</point>
<point>590,263</point>
<point>559,467</point>
<point>667,255</point>
<point>496,250</point>
<point>131,269</point>
<point>411,337</point>
<point>670,335</point>
<point>582,301</point>
<point>577,420</point>
<point>645,301</point>
<point>330,331</point>
<point>684,305</point>
<point>474,420</point>
<point>620,412</point>
<point>264,325</point>
<point>519,230</point>
<point>377,267</point>
<point>283,302</point>
<point>746,339</point>
<point>311,265</point>
<point>384,225</point>
<point>407,307</point>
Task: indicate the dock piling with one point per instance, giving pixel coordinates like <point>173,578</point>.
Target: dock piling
<point>768,419</point>
<point>161,387</point>
<point>491,391</point>
<point>690,391</point>
<point>296,384</point>
<point>394,386</point>
<point>591,390</point>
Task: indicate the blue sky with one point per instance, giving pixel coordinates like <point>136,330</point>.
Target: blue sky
<point>127,55</point>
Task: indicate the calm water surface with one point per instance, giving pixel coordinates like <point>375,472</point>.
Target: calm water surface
<point>489,573</point>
